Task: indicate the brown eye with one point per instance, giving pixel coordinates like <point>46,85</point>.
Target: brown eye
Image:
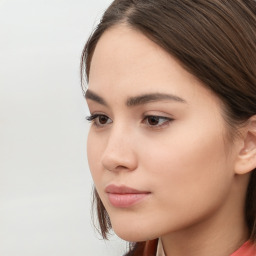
<point>99,120</point>
<point>153,120</point>
<point>156,121</point>
<point>103,119</point>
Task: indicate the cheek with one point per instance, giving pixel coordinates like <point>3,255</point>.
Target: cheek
<point>94,153</point>
<point>189,168</point>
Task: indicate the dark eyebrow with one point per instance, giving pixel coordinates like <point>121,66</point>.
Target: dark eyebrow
<point>146,98</point>
<point>93,96</point>
<point>138,100</point>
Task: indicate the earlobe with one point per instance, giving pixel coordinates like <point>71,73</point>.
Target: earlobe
<point>246,159</point>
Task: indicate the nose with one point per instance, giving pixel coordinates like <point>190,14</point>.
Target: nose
<point>119,153</point>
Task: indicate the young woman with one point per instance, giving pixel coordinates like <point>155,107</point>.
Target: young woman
<point>172,145</point>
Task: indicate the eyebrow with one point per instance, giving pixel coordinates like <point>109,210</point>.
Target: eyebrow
<point>138,100</point>
<point>151,97</point>
<point>93,96</point>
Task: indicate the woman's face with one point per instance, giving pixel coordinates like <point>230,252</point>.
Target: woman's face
<point>156,147</point>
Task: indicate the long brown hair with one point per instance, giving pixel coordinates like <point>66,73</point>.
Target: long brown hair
<point>215,40</point>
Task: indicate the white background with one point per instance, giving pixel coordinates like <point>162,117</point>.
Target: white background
<point>45,184</point>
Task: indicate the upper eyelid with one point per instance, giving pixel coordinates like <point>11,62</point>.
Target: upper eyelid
<point>162,115</point>
<point>95,115</point>
<point>99,113</point>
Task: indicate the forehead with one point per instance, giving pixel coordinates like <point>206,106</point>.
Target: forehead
<point>126,64</point>
<point>121,46</point>
<point>124,56</point>
<point>121,37</point>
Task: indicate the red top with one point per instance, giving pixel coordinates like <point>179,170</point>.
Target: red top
<point>247,249</point>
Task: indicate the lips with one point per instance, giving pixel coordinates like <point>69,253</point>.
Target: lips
<point>123,197</point>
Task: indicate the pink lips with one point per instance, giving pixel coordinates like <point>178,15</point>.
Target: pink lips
<point>123,197</point>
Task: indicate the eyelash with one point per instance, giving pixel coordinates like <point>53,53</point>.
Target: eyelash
<point>95,119</point>
<point>166,120</point>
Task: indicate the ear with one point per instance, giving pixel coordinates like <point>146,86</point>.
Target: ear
<point>246,159</point>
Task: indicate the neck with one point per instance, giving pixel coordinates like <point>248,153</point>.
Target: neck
<point>206,241</point>
<point>220,234</point>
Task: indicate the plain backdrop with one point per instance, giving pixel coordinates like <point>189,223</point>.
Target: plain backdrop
<point>45,184</point>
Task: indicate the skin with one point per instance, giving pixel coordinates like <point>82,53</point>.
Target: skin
<point>183,159</point>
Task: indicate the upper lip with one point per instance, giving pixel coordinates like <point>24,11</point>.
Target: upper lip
<point>114,189</point>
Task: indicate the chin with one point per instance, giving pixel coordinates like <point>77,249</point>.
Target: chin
<point>131,236</point>
<point>133,232</point>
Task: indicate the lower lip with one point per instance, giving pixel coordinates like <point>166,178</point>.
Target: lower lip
<point>126,200</point>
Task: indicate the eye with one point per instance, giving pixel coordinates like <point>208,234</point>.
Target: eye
<point>156,121</point>
<point>99,120</point>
